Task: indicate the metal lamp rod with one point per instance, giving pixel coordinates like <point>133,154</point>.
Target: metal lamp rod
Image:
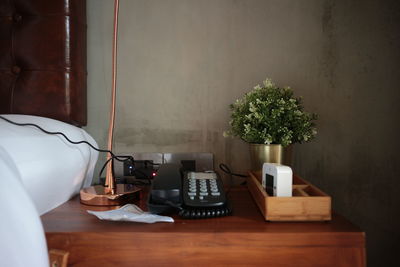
<point>110,182</point>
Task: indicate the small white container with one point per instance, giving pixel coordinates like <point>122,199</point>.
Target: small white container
<point>277,179</point>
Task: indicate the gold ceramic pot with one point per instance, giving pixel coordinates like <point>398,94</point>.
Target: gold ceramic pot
<point>260,153</point>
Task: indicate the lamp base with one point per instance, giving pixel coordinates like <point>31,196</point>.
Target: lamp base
<point>96,195</point>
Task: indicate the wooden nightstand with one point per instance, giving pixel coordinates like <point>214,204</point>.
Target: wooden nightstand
<point>241,239</point>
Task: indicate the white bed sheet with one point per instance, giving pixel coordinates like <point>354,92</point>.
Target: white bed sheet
<point>22,241</point>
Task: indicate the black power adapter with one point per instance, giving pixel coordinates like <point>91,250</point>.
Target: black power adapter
<point>141,169</point>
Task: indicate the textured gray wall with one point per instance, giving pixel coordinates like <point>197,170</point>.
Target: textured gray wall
<point>355,157</point>
<point>181,64</point>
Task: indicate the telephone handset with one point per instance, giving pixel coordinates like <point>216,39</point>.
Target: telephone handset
<point>194,194</point>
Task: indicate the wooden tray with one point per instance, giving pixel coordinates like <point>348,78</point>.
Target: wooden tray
<point>308,203</point>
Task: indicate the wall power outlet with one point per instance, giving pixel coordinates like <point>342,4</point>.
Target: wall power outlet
<point>148,162</point>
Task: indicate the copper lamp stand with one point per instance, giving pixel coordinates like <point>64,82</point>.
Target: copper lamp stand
<point>111,194</point>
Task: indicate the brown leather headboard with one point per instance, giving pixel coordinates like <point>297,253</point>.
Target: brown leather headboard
<point>43,59</point>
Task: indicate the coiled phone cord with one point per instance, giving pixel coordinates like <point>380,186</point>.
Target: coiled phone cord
<point>205,213</point>
<point>200,213</point>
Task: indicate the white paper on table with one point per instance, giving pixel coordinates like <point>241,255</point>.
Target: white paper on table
<point>130,213</point>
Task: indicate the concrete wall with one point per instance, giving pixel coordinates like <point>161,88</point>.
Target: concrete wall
<point>181,63</point>
<point>356,158</point>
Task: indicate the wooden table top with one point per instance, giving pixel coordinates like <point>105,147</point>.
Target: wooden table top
<point>72,216</point>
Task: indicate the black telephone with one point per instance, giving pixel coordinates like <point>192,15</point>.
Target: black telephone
<point>195,195</point>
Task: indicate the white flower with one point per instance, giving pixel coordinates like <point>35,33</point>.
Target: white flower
<point>268,83</point>
<point>258,116</point>
<point>267,141</point>
<point>252,107</point>
<point>247,127</point>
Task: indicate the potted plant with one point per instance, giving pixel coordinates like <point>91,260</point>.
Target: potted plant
<point>270,119</point>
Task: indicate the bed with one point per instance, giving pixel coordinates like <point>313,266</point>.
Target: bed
<point>42,81</point>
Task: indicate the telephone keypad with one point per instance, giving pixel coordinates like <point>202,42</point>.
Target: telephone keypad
<point>203,188</point>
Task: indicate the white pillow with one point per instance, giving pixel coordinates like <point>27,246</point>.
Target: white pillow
<point>52,169</point>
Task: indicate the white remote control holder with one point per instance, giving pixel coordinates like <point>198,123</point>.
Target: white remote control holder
<point>277,179</point>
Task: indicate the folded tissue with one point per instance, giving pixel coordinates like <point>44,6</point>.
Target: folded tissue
<point>130,213</point>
